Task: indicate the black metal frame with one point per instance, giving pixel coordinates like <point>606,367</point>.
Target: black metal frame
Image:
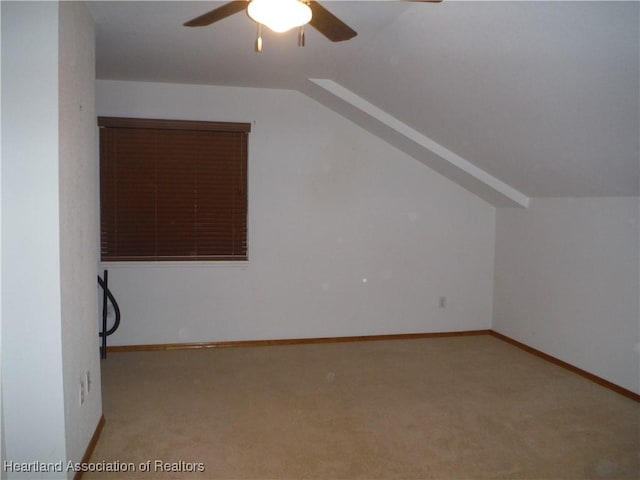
<point>107,295</point>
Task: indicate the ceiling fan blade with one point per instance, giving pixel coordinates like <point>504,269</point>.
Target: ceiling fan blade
<point>219,13</point>
<point>328,24</point>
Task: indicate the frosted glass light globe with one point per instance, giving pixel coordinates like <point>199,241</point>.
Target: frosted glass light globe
<point>279,15</point>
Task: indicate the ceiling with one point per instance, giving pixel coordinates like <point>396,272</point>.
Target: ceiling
<point>542,97</point>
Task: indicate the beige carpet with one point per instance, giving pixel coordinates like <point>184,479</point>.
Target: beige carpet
<point>460,407</point>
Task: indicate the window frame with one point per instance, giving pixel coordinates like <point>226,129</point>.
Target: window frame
<point>243,129</point>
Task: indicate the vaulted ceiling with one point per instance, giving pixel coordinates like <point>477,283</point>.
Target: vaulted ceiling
<point>519,99</point>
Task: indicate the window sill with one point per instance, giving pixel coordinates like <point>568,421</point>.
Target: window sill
<point>176,264</point>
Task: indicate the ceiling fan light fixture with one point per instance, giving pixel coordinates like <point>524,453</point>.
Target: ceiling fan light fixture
<point>280,15</point>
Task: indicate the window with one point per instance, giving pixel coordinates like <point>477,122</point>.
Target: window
<point>172,190</point>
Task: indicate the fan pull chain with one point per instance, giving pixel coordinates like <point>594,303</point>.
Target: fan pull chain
<point>301,38</point>
<point>259,39</point>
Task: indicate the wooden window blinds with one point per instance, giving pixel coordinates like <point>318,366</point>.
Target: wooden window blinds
<point>172,190</point>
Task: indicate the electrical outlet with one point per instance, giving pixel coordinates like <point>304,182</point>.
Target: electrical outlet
<point>82,391</point>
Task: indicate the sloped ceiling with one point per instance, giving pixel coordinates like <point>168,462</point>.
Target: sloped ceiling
<point>540,99</point>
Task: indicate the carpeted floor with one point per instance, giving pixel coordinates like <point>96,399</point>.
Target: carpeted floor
<point>443,408</point>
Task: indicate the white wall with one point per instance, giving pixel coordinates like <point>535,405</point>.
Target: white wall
<point>78,225</point>
<point>32,387</point>
<point>49,243</point>
<point>330,205</point>
<point>567,282</point>
<point>2,445</point>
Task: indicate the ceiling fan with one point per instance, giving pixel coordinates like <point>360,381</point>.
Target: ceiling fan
<point>283,15</point>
